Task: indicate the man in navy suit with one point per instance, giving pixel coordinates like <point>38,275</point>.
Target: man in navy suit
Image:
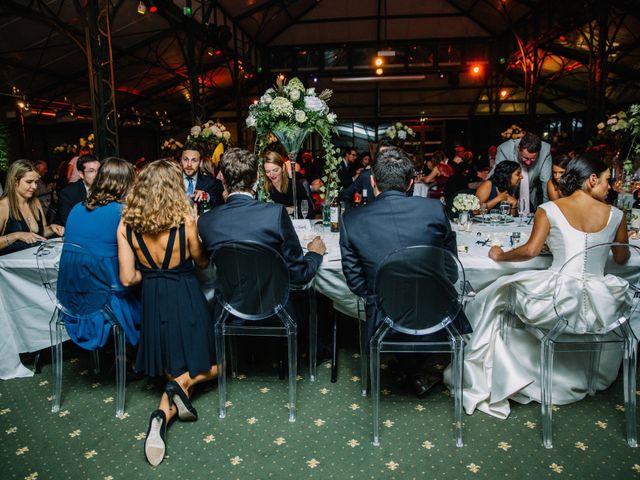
<point>393,221</point>
<point>245,218</point>
<point>76,192</point>
<point>196,182</point>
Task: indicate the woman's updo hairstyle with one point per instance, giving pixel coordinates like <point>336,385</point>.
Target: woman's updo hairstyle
<point>579,170</point>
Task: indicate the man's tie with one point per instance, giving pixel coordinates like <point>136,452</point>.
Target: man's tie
<point>190,188</point>
<point>524,190</point>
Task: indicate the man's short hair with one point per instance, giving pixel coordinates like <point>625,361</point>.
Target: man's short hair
<point>531,142</point>
<point>392,170</point>
<point>348,150</point>
<point>190,146</point>
<point>84,159</point>
<point>384,143</point>
<point>240,169</point>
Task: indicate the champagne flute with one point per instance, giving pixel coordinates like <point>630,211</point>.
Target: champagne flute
<point>522,208</point>
<point>304,209</point>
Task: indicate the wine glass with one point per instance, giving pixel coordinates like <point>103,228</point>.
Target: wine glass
<point>304,209</point>
<point>483,212</point>
<point>505,208</point>
<point>522,208</point>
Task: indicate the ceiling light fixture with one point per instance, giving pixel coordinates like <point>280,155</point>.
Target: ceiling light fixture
<point>142,8</point>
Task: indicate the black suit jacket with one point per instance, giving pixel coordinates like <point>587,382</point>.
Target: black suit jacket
<point>363,182</point>
<point>345,174</point>
<point>212,186</point>
<point>244,218</point>
<point>393,221</point>
<point>68,197</point>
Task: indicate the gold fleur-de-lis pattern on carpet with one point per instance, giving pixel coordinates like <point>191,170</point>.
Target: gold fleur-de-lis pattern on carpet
<point>331,437</point>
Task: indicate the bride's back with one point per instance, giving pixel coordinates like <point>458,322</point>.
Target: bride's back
<point>584,213</point>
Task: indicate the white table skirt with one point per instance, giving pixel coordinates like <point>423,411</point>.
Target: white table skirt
<point>25,311</point>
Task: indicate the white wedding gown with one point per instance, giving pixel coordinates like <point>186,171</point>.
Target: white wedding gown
<point>495,371</point>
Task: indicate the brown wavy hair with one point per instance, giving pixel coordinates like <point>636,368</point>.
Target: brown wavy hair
<point>17,170</point>
<point>276,159</point>
<point>157,201</point>
<point>112,183</point>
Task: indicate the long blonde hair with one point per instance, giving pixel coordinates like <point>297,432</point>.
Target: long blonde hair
<point>276,159</point>
<point>157,200</point>
<point>17,170</point>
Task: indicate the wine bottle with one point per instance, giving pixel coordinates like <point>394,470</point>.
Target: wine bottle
<point>335,215</point>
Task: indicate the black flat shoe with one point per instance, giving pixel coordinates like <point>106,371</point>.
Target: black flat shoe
<point>186,411</point>
<point>155,443</point>
<point>421,386</point>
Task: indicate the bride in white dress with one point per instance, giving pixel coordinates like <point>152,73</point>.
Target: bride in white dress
<point>495,371</point>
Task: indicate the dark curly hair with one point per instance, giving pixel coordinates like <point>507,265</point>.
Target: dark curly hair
<point>501,177</point>
<point>579,170</point>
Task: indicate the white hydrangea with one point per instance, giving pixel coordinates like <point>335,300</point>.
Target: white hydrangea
<point>251,121</point>
<point>226,134</point>
<point>314,104</point>
<point>391,133</point>
<point>402,135</point>
<point>398,125</point>
<point>331,118</point>
<point>294,95</point>
<point>300,116</point>
<point>311,91</point>
<point>266,99</point>
<point>281,107</point>
<point>216,131</point>
<point>195,131</point>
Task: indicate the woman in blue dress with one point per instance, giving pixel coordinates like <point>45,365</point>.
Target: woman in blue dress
<point>158,244</point>
<point>93,225</point>
<point>500,186</point>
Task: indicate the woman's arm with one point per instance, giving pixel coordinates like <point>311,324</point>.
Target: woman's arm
<point>49,230</point>
<point>195,246</point>
<point>552,191</point>
<point>532,248</point>
<point>432,176</point>
<point>129,274</point>
<point>6,240</point>
<point>621,254</point>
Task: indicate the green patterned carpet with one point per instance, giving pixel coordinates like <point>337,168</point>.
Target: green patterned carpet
<point>330,439</point>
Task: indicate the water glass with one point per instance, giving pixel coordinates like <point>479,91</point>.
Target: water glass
<point>304,209</point>
<point>515,237</point>
<point>483,212</point>
<point>505,208</point>
<point>494,217</point>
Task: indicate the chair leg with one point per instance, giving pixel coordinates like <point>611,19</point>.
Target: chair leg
<point>222,368</point>
<point>375,388</point>
<point>56,361</point>
<point>292,342</point>
<point>121,370</point>
<point>95,361</point>
<point>334,348</point>
<point>313,335</point>
<point>233,355</point>
<point>594,365</point>
<point>546,383</point>
<point>364,357</point>
<point>629,374</point>
<point>458,369</point>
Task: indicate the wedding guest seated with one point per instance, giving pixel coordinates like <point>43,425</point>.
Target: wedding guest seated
<point>22,219</point>
<point>501,185</point>
<point>392,221</point>
<point>558,168</point>
<point>494,371</point>
<point>279,186</point>
<point>440,173</point>
<point>93,225</point>
<point>76,192</point>
<point>195,181</point>
<point>157,246</point>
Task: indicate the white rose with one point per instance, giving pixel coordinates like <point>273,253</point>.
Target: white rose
<point>226,134</point>
<point>300,116</point>
<point>216,131</point>
<point>222,127</point>
<point>195,131</point>
<point>398,125</point>
<point>331,118</point>
<point>294,95</point>
<point>601,126</point>
<point>612,121</point>
<point>314,104</point>
<point>410,131</point>
<point>311,91</point>
<point>270,91</point>
<point>391,133</point>
<point>402,135</point>
<point>251,121</point>
<point>265,99</point>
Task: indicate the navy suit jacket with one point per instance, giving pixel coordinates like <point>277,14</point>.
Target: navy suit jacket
<point>244,218</point>
<point>363,182</point>
<point>68,197</point>
<point>212,186</point>
<point>394,221</point>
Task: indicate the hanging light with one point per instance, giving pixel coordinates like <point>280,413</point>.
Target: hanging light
<point>379,71</point>
<point>142,8</point>
<point>378,61</point>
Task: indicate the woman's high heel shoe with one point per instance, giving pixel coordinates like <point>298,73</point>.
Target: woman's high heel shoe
<point>186,411</point>
<point>155,442</point>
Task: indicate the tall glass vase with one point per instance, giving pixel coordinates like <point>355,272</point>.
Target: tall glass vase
<point>291,139</point>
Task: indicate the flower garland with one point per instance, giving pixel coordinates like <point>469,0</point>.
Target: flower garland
<point>398,133</point>
<point>620,129</point>
<point>513,133</point>
<point>290,107</point>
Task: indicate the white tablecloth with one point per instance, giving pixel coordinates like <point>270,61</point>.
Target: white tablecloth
<point>25,311</point>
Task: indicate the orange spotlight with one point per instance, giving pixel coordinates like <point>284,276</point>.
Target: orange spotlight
<point>378,61</point>
<point>504,93</point>
<point>475,69</point>
<point>379,71</point>
<point>281,77</point>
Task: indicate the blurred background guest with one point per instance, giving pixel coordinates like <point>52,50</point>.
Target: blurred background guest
<point>558,168</point>
<point>502,184</point>
<point>76,192</point>
<point>279,186</point>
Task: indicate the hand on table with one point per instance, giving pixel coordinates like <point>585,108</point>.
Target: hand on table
<point>317,246</point>
<point>57,229</point>
<point>28,237</point>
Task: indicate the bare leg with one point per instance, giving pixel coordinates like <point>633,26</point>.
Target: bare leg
<point>187,382</point>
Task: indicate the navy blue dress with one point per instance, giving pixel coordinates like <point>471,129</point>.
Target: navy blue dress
<point>96,232</point>
<point>19,225</point>
<point>176,334</point>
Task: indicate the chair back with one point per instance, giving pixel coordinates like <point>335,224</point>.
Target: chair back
<point>77,286</point>
<point>590,297</point>
<point>419,289</point>
<point>251,279</point>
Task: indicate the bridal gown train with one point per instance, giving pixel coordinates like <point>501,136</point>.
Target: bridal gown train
<point>495,371</point>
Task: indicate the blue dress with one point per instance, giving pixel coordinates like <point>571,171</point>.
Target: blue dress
<point>96,231</point>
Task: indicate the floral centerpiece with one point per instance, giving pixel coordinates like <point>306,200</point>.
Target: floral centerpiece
<point>290,112</point>
<point>513,133</point>
<point>465,202</point>
<point>399,133</point>
<point>170,147</point>
<point>65,148</point>
<point>87,142</point>
<point>622,129</point>
<point>211,137</point>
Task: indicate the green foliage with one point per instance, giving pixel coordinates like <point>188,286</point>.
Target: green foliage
<point>4,148</point>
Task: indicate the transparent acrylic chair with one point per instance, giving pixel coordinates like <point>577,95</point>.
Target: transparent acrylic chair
<point>572,334</point>
<point>75,295</point>
<point>419,291</point>
<point>252,284</point>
